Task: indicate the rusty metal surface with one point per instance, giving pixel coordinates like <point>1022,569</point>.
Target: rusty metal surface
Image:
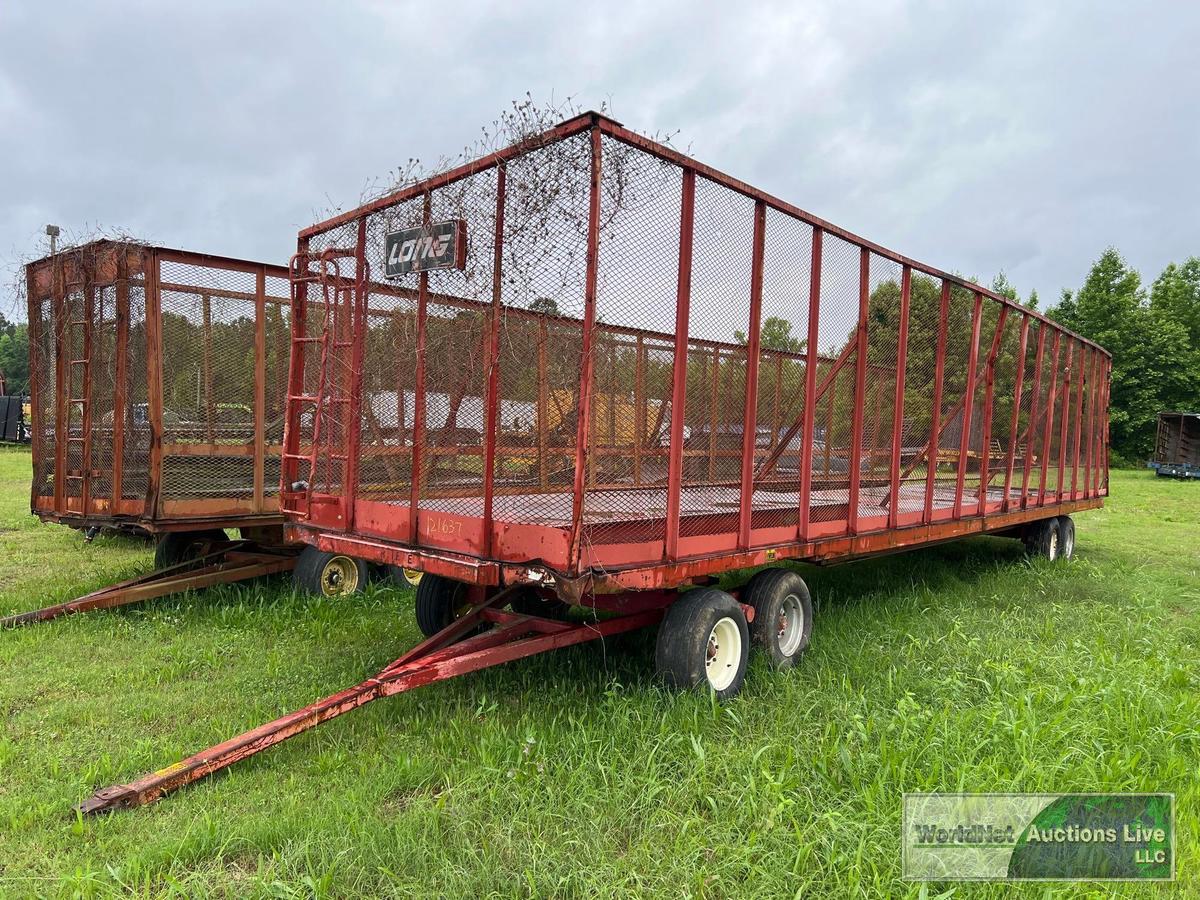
<point>238,562</point>
<point>444,655</point>
<point>157,387</point>
<point>643,362</point>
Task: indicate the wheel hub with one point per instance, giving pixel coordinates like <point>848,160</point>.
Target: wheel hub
<point>340,576</point>
<point>723,654</point>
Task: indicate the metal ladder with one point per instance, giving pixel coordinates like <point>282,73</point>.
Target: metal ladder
<point>328,277</point>
<point>81,403</point>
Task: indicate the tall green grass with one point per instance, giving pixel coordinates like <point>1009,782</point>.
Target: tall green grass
<point>962,667</point>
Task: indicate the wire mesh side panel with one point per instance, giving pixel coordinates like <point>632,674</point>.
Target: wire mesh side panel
<point>999,427</point>
<point>722,248</point>
<point>920,374</point>
<point>135,454</point>
<point>103,371</point>
<point>783,330</point>
<point>208,377</point>
<point>43,363</point>
<point>72,329</point>
<point>874,456</point>
<point>837,333</point>
<point>633,351</point>
<point>544,265</point>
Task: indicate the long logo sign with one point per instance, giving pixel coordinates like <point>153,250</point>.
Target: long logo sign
<point>439,245</point>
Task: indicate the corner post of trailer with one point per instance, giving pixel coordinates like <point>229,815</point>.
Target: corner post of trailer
<point>964,437</point>
<point>898,399</point>
<point>935,418</point>
<point>491,362</point>
<point>683,295</point>
<point>1014,419</point>
<point>811,362</point>
<point>1093,397</point>
<point>120,378</point>
<point>154,384</point>
<point>260,387</point>
<point>753,341</point>
<point>62,336</point>
<point>295,378</point>
<point>587,364</point>
<point>36,388</point>
<point>418,439</point>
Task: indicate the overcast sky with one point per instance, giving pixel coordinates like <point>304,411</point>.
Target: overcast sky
<point>976,137</point>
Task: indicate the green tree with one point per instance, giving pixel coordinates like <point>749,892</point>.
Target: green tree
<point>14,356</point>
<point>775,334</point>
<point>1152,359</point>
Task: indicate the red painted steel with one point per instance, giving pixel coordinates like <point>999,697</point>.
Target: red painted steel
<point>445,655</point>
<point>1047,437</point>
<point>750,411</point>
<point>1014,423</point>
<point>810,386</point>
<point>898,398</point>
<point>931,453</point>
<point>964,441</point>
<point>587,364</point>
<point>588,498</point>
<point>854,456</point>
<point>679,373</point>
<point>1065,421</point>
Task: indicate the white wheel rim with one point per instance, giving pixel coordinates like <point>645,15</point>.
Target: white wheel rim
<point>789,628</point>
<point>1068,544</point>
<point>723,654</point>
<point>1052,553</point>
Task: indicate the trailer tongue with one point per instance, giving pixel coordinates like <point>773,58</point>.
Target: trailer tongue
<point>445,655</point>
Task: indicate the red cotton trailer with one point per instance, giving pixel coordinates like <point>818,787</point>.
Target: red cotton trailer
<point>157,393</point>
<point>589,371</point>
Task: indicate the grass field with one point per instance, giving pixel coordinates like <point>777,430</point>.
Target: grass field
<point>961,667</point>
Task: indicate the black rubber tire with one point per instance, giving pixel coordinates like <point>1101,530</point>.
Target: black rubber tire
<point>177,547</point>
<point>1042,539</point>
<point>682,649</point>
<point>315,573</point>
<point>769,592</point>
<point>528,603</point>
<point>1066,538</point>
<point>439,601</point>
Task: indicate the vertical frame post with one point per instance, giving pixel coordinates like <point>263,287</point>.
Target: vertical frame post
<point>812,360</point>
<point>854,452</point>
<point>1064,423</point>
<point>586,377</point>
<point>543,403</point>
<point>639,409</point>
<point>492,362</point>
<point>121,378</point>
<point>62,336</point>
<point>989,394</point>
<point>298,290</point>
<point>260,387</point>
<point>418,440</point>
<point>1015,418</point>
<point>154,387</point>
<point>898,399</point>
<point>1028,462</point>
<point>683,299</point>
<point>358,322</point>
<point>753,342</point>
<point>939,377</point>
<point>964,438</point>
<point>1077,430</point>
<point>1093,396</point>
<point>36,388</point>
<point>1047,435</point>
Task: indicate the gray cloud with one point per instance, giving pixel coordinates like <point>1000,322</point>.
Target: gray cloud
<point>977,137</point>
